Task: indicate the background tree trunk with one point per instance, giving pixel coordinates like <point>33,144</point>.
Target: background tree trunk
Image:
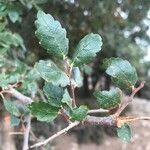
<point>6,140</point>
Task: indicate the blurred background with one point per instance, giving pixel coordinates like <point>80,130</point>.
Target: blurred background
<point>124,26</point>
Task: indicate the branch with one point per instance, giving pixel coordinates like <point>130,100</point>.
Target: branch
<point>24,99</point>
<point>72,88</point>
<point>26,133</point>
<point>122,120</point>
<point>94,111</point>
<point>68,68</point>
<point>56,135</point>
<point>16,133</point>
<point>129,100</point>
<point>103,121</point>
<point>110,121</point>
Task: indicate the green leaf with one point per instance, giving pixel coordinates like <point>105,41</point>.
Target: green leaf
<point>43,111</point>
<point>23,109</point>
<point>3,51</point>
<point>8,39</point>
<point>29,84</point>
<point>14,121</point>
<point>3,8</point>
<point>79,113</point>
<point>87,69</point>
<point>40,1</point>
<point>27,3</point>
<point>14,12</point>
<point>108,99</point>
<point>67,99</point>
<point>124,133</point>
<point>33,75</point>
<point>3,80</point>
<point>51,35</point>
<point>51,73</point>
<point>21,67</point>
<point>18,41</point>
<point>33,87</point>
<point>77,77</point>
<point>6,79</point>
<point>3,25</point>
<point>86,49</point>
<point>123,74</point>
<point>11,108</point>
<point>13,77</point>
<point>32,3</point>
<point>13,15</point>
<point>53,93</point>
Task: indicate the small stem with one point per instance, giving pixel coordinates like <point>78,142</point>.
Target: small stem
<point>36,139</point>
<point>42,95</point>
<point>56,135</point>
<point>94,111</point>
<point>122,120</point>
<point>68,68</point>
<point>24,99</point>
<point>66,117</point>
<point>129,100</point>
<point>26,133</point>
<point>72,89</point>
<point>3,98</point>
<point>142,118</point>
<point>16,133</point>
<point>36,6</point>
<point>33,135</point>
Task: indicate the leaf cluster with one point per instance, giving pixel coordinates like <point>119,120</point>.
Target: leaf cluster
<point>52,37</point>
<point>61,80</point>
